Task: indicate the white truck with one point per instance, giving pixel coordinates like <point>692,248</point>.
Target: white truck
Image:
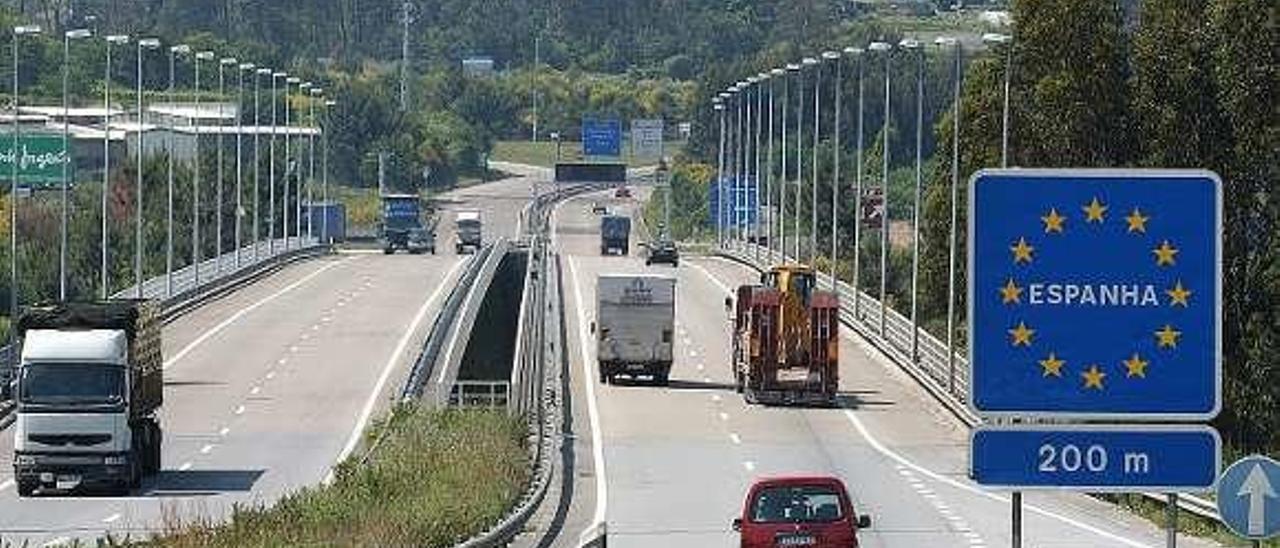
<point>635,315</point>
<point>468,232</point>
<point>89,383</point>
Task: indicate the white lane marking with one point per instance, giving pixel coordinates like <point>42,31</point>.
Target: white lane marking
<point>224,431</point>
<point>293,349</point>
<point>358,431</point>
<point>715,397</point>
<point>240,410</point>
<point>244,311</point>
<point>701,367</point>
<point>693,353</point>
<point>315,327</point>
<point>6,484</point>
<point>56,542</point>
<point>282,361</point>
<point>304,336</point>
<point>893,455</point>
<point>750,466</point>
<point>724,416</point>
<point>735,438</point>
<point>254,391</point>
<point>112,518</point>
<point>588,375</point>
<point>185,466</point>
<point>206,449</point>
<point>271,375</point>
<point>904,465</point>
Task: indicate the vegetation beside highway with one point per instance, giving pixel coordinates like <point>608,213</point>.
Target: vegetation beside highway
<point>436,478</point>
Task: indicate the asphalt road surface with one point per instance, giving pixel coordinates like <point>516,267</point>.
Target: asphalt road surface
<point>670,466</point>
<point>269,387</point>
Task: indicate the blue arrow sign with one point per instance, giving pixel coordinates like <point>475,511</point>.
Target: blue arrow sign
<point>1096,457</point>
<point>1095,294</point>
<point>1248,499</point>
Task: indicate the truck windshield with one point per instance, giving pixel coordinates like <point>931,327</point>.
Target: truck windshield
<point>71,383</point>
<point>796,504</point>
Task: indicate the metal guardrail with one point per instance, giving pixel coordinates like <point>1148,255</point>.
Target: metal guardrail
<point>947,380</point>
<point>192,288</point>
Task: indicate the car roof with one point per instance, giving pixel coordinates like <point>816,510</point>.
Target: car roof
<point>773,481</point>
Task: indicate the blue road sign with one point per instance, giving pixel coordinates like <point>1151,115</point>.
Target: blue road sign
<point>1248,497</point>
<point>1095,294</point>
<point>740,201</point>
<point>1096,457</point>
<point>601,137</point>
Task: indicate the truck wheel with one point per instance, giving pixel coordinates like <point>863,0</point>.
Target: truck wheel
<point>737,382</point>
<point>387,251</point>
<point>663,379</point>
<point>26,488</point>
<point>604,376</point>
<point>153,452</point>
<point>749,396</point>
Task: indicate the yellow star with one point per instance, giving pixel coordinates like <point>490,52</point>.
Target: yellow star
<point>1095,211</point>
<point>1053,221</point>
<point>1093,377</point>
<point>1052,365</point>
<point>1022,335</point>
<point>1137,366</point>
<point>1178,295</point>
<point>1137,221</point>
<point>1165,253</point>
<point>1011,293</point>
<point>1167,337</point>
<point>1022,251</point>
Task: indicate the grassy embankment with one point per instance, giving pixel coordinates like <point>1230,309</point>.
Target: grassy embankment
<point>436,478</point>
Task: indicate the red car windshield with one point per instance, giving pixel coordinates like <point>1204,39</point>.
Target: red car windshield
<point>796,504</point>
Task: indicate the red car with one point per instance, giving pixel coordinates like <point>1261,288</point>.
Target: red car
<point>799,511</point>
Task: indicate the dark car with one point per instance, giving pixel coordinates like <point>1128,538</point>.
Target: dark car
<point>662,251</point>
<point>622,192</point>
<point>799,511</point>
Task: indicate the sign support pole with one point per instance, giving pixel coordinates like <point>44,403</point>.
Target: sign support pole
<point>1016,507</point>
<point>1171,521</point>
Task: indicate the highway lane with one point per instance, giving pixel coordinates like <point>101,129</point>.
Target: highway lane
<point>267,388</point>
<point>677,461</point>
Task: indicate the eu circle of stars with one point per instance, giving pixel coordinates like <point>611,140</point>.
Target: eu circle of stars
<point>1100,298</point>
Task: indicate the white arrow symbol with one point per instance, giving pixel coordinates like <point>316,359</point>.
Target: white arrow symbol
<point>1257,488</point>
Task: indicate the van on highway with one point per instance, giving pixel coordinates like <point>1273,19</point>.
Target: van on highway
<point>635,315</point>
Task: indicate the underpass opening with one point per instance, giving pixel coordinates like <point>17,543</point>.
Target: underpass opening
<point>484,373</point>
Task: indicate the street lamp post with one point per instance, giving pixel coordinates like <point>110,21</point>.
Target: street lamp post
<point>718,105</point>
<point>67,37</point>
<point>304,89</point>
<point>138,243</point>
<point>271,171</point>
<point>813,188</point>
<point>857,189</point>
<point>257,160</point>
<point>222,101</point>
<point>289,82</point>
<point>955,197</point>
<point>756,208</point>
<point>328,120</point>
<point>799,182</point>
<point>740,169</point>
<point>913,45</point>
<point>835,178</point>
<point>316,95</point>
<point>239,157</point>
<point>782,187</point>
<point>196,254</point>
<point>886,49</point>
<point>770,229</point>
<point>1005,40</point>
<point>106,160</point>
<point>173,53</point>
<point>18,31</point>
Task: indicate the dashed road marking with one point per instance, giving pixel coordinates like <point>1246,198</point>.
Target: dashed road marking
<point>185,466</point>
<point>735,438</point>
<point>254,391</point>
<point>750,466</point>
<point>223,433</point>
<point>112,518</point>
<point>724,416</point>
<point>240,410</point>
<point>271,375</point>
<point>206,449</point>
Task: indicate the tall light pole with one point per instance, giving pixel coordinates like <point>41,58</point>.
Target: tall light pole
<point>304,89</point>
<point>785,183</point>
<point>885,49</point>
<point>734,148</point>
<point>914,46</point>
<point>173,53</point>
<point>18,31</point>
<point>834,57</point>
<point>328,120</point>
<point>223,63</point>
<point>799,182</point>
<point>240,69</point>
<point>289,82</point>
<point>752,150</point>
<point>1004,40</point>
<point>138,243</point>
<point>761,78</point>
<point>946,41</point>
<point>718,105</point>
<point>817,126</point>
<point>317,94</point>
<point>106,160</point>
<point>196,254</point>
<point>857,189</point>
<point>271,171</point>
<point>257,160</point>
<point>739,194</point>
<point>771,232</point>
<point>67,37</point>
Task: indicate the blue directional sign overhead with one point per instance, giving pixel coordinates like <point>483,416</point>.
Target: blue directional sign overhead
<point>601,137</point>
<point>1249,497</point>
<point>1095,294</point>
<point>1096,457</point>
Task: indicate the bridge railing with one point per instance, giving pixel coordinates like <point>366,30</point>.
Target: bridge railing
<point>940,372</point>
<point>190,287</point>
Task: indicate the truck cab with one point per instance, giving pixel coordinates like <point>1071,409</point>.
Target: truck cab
<point>615,234</point>
<point>402,226</point>
<point>468,229</point>
<point>87,391</point>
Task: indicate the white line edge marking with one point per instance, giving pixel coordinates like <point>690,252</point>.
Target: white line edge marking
<point>185,466</point>
<point>875,444</point>
<point>112,518</point>
<point>367,411</point>
<point>588,375</point>
<point>206,449</point>
<point>6,484</point>
<point>246,310</point>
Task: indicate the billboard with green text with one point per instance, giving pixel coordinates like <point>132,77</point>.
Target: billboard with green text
<point>40,158</point>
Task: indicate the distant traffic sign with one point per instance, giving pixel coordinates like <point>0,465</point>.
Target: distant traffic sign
<point>646,138</point>
<point>1095,294</point>
<point>601,137</point>
<point>1248,497</point>
<point>1096,457</point>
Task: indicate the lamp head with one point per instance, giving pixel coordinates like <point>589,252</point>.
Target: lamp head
<point>76,34</point>
<point>118,39</point>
